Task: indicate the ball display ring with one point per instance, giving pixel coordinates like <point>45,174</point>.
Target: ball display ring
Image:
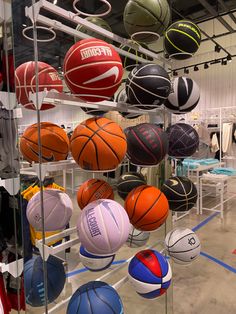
<point>133,36</point>
<point>109,7</point>
<point>50,30</point>
<point>180,54</point>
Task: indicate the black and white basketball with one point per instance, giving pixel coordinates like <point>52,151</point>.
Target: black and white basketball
<point>147,144</point>
<point>185,95</point>
<point>148,86</point>
<point>128,181</point>
<point>121,97</point>
<point>137,238</point>
<point>182,245</point>
<point>183,140</point>
<point>180,192</point>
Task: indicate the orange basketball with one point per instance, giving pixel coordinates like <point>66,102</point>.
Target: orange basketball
<point>92,190</point>
<point>98,144</point>
<point>54,141</point>
<point>25,82</point>
<point>147,207</point>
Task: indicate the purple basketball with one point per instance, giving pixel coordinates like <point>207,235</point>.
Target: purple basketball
<point>103,227</point>
<point>57,210</point>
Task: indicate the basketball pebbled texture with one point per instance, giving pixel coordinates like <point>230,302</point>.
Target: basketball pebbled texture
<point>148,86</point>
<point>185,95</point>
<point>92,190</point>
<point>95,297</point>
<point>147,207</point>
<point>128,181</point>
<point>147,144</point>
<point>98,144</point>
<point>93,70</point>
<point>25,76</point>
<point>183,140</point>
<point>54,143</point>
<point>149,15</point>
<point>181,193</point>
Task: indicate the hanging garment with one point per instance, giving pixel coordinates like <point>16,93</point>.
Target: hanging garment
<point>214,143</point>
<point>227,137</point>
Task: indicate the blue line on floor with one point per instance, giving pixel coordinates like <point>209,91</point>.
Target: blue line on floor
<point>219,262</point>
<point>204,222</point>
<point>82,270</point>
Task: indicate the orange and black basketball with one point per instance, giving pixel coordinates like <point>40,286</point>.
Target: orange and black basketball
<point>92,190</point>
<point>98,144</point>
<point>54,143</point>
<point>147,207</point>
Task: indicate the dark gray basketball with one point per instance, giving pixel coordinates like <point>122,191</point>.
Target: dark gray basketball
<point>128,181</point>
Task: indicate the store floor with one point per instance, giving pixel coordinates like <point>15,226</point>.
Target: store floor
<point>205,287</point>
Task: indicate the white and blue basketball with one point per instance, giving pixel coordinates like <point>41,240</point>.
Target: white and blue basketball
<point>182,245</point>
<point>137,238</point>
<point>149,274</point>
<point>95,262</point>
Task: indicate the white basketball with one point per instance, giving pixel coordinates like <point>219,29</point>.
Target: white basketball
<point>137,238</point>
<point>95,262</point>
<point>184,97</point>
<point>182,245</point>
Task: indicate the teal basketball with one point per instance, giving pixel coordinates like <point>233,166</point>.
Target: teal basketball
<point>182,40</point>
<point>98,21</point>
<point>146,16</point>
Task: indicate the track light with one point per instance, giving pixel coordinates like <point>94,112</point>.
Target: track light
<point>206,66</point>
<point>217,48</point>
<point>175,73</point>
<point>196,68</point>
<point>229,58</point>
<point>186,71</point>
<point>224,62</point>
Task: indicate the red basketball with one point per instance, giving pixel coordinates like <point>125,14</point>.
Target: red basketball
<point>93,70</point>
<point>25,82</point>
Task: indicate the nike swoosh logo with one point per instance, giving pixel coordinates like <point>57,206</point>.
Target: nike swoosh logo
<point>114,71</point>
<point>46,158</point>
<point>174,182</point>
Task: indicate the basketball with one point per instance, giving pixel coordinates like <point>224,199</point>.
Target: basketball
<point>58,210</point>
<point>95,262</point>
<point>185,96</point>
<point>149,274</point>
<point>97,21</point>
<point>181,193</point>
<point>183,140</point>
<point>121,97</point>
<point>103,227</point>
<point>147,144</point>
<point>95,297</point>
<point>147,208</point>
<point>182,245</point>
<point>93,70</point>
<point>128,181</point>
<point>34,280</point>
<point>98,144</point>
<point>54,143</point>
<point>148,86</point>
<point>128,63</point>
<point>148,17</point>
<point>92,190</point>
<point>182,40</point>
<point>137,238</point>
<point>25,78</point>
<point>93,111</point>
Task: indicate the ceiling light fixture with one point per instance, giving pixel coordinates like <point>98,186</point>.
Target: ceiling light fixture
<point>229,58</point>
<point>217,48</point>
<point>175,73</point>
<point>206,66</point>
<point>196,68</point>
<point>186,71</point>
<point>224,62</point>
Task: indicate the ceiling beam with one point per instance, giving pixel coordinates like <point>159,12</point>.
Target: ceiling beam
<point>226,8</point>
<point>211,10</point>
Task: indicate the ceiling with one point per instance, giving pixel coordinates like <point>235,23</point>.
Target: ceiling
<point>53,52</point>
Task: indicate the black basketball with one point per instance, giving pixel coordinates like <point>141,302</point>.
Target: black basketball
<point>122,98</point>
<point>147,144</point>
<point>128,181</point>
<point>182,39</point>
<point>148,86</point>
<point>183,140</point>
<point>180,192</point>
<point>93,111</point>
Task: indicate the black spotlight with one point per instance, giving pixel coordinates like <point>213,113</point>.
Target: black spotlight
<point>196,68</point>
<point>175,73</point>
<point>224,62</point>
<point>206,66</point>
<point>217,48</point>
<point>186,71</point>
<point>229,58</point>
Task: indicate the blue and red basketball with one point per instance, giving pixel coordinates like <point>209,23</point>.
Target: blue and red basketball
<point>150,274</point>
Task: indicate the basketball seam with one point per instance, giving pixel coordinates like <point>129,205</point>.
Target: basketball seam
<point>186,206</point>
<point>161,144</point>
<point>154,222</point>
<point>184,33</point>
<point>43,146</point>
<point>109,131</point>
<point>104,301</point>
<point>89,302</point>
<point>102,183</point>
<point>178,252</point>
<point>145,187</point>
<point>169,246</point>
